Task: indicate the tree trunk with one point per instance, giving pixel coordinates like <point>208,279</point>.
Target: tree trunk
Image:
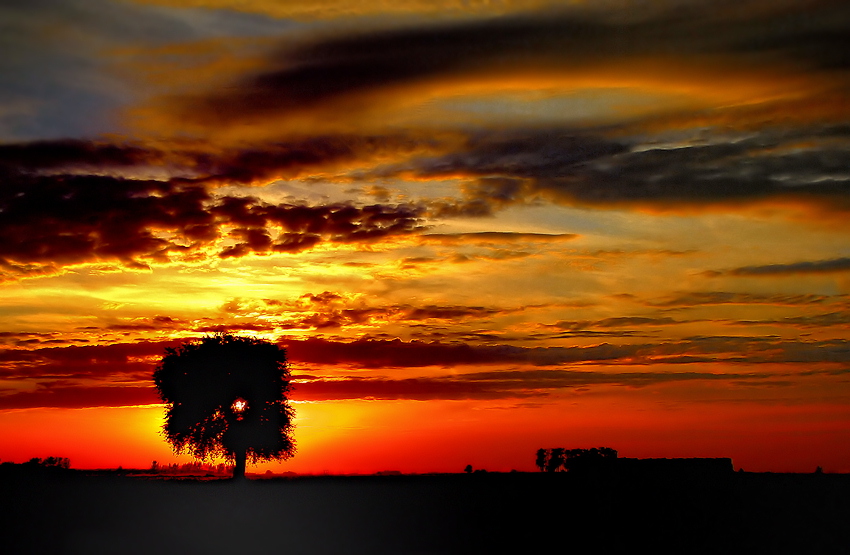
<point>239,468</point>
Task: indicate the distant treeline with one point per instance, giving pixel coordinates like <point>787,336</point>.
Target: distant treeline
<point>36,466</point>
<point>604,459</point>
<point>558,459</point>
<point>196,467</point>
<point>47,462</point>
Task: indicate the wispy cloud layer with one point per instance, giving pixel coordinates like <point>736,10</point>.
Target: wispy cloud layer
<point>807,267</point>
<point>118,374</point>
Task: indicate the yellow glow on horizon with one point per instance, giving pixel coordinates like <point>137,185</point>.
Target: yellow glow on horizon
<point>363,436</point>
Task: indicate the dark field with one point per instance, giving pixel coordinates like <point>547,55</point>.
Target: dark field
<point>477,513</point>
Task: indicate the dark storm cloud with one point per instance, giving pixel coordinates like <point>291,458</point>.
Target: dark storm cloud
<point>701,175</point>
<point>794,268</point>
<point>518,153</point>
<point>302,227</point>
<point>69,153</point>
<point>512,166</point>
<point>50,219</point>
<point>294,156</point>
<point>315,73</point>
<point>199,164</point>
<point>73,219</point>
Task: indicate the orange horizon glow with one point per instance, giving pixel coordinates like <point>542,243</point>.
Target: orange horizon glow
<point>365,437</point>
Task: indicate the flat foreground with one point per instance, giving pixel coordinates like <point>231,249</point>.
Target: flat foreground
<point>478,513</point>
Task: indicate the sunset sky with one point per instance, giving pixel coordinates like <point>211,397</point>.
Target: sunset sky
<point>478,227</point>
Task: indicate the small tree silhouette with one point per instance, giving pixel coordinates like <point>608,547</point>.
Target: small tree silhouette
<point>555,460</point>
<point>542,457</point>
<point>227,396</point>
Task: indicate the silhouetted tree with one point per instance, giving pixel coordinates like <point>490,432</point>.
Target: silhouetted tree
<point>584,459</point>
<point>556,459</point>
<point>468,469</point>
<point>227,396</point>
<point>542,456</point>
<point>50,462</point>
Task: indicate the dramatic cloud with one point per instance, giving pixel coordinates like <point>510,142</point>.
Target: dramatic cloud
<point>699,298</point>
<point>497,385</point>
<point>808,267</point>
<point>199,163</point>
<point>90,361</point>
<point>323,72</point>
<point>479,385</point>
<point>815,321</point>
<point>517,166</point>
<point>493,238</point>
<point>116,375</point>
<point>370,353</point>
<point>322,311</point>
<point>793,55</point>
<point>51,219</point>
<point>323,317</point>
<point>578,328</point>
<point>54,78</point>
<point>70,153</point>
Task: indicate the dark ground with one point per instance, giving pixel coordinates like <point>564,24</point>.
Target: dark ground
<point>478,513</point>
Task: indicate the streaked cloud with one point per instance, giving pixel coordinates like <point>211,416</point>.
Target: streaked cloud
<point>794,268</point>
<point>697,298</point>
<point>62,377</point>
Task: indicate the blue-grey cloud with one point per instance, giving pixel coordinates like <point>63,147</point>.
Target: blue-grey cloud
<point>58,73</point>
<point>313,73</point>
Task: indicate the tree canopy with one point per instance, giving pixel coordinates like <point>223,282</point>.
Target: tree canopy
<point>227,396</point>
<point>560,459</point>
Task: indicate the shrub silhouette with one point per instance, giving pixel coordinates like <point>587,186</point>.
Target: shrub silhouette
<point>227,396</point>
